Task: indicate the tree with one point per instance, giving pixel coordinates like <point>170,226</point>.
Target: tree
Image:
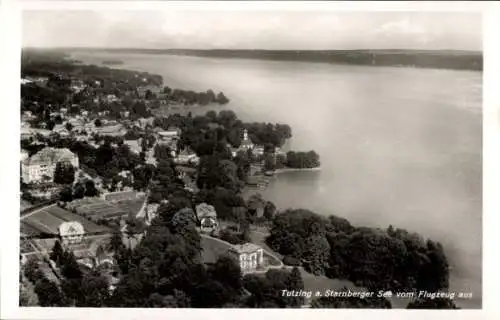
<point>98,122</point>
<point>78,191</point>
<point>64,173</point>
<point>32,270</point>
<point>66,194</point>
<point>26,297</point>
<point>227,271</point>
<point>50,125</point>
<point>116,242</point>
<point>295,283</point>
<point>316,254</point>
<point>48,293</point>
<point>57,253</point>
<point>211,294</point>
<point>221,98</point>
<point>90,189</point>
<point>269,210</point>
<point>69,266</point>
<point>94,291</point>
<point>69,126</point>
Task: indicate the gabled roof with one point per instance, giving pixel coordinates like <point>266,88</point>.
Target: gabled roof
<point>70,228</point>
<point>50,155</point>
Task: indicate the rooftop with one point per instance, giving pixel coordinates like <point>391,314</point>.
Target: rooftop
<point>71,228</point>
<point>50,155</point>
<point>245,248</point>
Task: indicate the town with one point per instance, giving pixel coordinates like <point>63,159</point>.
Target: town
<point>99,172</point>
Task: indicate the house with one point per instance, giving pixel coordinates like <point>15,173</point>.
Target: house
<point>62,132</point>
<point>24,155</point>
<point>144,122</point>
<point>151,211</point>
<point>185,171</point>
<point>27,133</point>
<point>187,156</point>
<point>257,181</point>
<point>170,134</point>
<point>26,81</point>
<point>77,85</point>
<point>250,256</point>
<point>155,90</point>
<point>125,114</point>
<point>71,233</point>
<point>134,146</point>
<point>116,130</point>
<point>258,151</point>
<point>42,165</point>
<point>111,98</point>
<point>38,80</point>
<point>207,216</point>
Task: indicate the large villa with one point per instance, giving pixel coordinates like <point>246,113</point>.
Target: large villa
<point>41,166</point>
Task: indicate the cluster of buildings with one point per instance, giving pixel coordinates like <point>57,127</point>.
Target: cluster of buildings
<point>246,145</point>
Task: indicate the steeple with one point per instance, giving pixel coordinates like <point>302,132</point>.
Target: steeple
<point>245,135</point>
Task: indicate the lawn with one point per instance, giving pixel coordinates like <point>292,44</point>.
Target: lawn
<point>212,249</point>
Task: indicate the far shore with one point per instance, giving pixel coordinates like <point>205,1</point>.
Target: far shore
<point>286,170</point>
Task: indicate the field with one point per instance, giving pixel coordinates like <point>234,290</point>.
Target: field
<point>48,220</point>
<point>96,208</point>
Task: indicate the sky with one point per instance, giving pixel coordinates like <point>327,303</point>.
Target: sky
<point>290,30</point>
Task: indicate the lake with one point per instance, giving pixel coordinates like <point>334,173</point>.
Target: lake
<point>399,146</point>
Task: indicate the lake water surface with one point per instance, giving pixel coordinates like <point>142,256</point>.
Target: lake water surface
<point>398,146</point>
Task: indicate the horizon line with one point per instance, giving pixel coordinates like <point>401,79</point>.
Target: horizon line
<point>242,49</point>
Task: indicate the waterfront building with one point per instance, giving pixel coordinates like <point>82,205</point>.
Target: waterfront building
<point>42,165</point>
<point>246,143</point>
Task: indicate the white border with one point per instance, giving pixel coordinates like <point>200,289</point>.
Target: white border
<point>9,172</point>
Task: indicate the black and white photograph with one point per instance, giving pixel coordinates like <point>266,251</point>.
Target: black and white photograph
<point>187,158</point>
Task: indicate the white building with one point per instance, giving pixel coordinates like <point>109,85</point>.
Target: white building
<point>43,164</point>
<point>249,255</point>
<point>247,144</point>
<point>71,233</point>
<point>24,155</point>
<point>169,134</point>
<point>187,156</point>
